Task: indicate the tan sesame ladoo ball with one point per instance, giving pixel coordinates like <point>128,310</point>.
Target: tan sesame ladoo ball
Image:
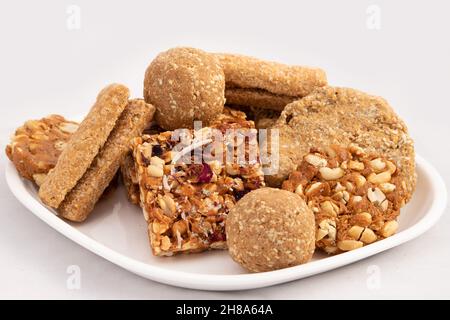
<point>185,85</point>
<point>270,229</point>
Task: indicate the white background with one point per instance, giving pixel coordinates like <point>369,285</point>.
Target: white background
<point>47,68</point>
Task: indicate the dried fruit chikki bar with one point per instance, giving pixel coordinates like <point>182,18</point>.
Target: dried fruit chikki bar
<point>128,169</point>
<point>37,145</point>
<point>80,201</point>
<point>186,199</point>
<point>84,145</point>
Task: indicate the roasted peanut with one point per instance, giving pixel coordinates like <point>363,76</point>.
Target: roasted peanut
<point>167,204</point>
<point>359,180</point>
<point>157,162</point>
<point>339,187</point>
<point>327,227</point>
<point>363,234</point>
<point>299,190</point>
<point>363,219</point>
<point>391,167</point>
<point>316,160</point>
<point>155,171</point>
<point>331,174</point>
<point>387,187</point>
<point>355,165</point>
<point>389,228</point>
<point>375,195</point>
<point>377,165</point>
<point>69,127</point>
<point>329,207</point>
<point>348,245</point>
<point>165,243</point>
<point>314,187</point>
<point>159,228</point>
<point>382,177</point>
<point>179,226</point>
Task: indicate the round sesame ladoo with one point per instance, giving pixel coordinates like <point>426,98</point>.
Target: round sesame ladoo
<point>343,116</point>
<point>185,85</point>
<point>270,229</point>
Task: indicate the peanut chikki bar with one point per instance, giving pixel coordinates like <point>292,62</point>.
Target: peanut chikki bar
<point>186,202</point>
<point>355,197</point>
<point>37,145</point>
<point>80,201</point>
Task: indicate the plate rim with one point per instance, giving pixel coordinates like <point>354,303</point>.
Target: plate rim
<point>217,282</point>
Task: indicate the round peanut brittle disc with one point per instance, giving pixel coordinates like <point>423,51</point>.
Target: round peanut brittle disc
<point>355,197</point>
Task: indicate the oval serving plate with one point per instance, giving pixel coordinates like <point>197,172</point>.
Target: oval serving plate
<point>116,231</point>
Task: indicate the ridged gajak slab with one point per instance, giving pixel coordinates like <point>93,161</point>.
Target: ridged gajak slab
<point>84,145</point>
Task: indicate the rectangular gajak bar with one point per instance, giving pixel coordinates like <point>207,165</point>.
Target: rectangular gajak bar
<point>84,145</point>
<point>186,199</point>
<point>80,201</point>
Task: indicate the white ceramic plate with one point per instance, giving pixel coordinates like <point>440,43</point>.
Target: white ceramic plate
<point>116,231</point>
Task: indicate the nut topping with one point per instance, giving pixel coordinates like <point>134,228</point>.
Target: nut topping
<point>69,127</point>
<point>326,228</point>
<point>316,160</point>
<point>377,165</point>
<point>154,171</point>
<point>379,178</point>
<point>389,228</point>
<point>331,174</point>
<point>348,245</point>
